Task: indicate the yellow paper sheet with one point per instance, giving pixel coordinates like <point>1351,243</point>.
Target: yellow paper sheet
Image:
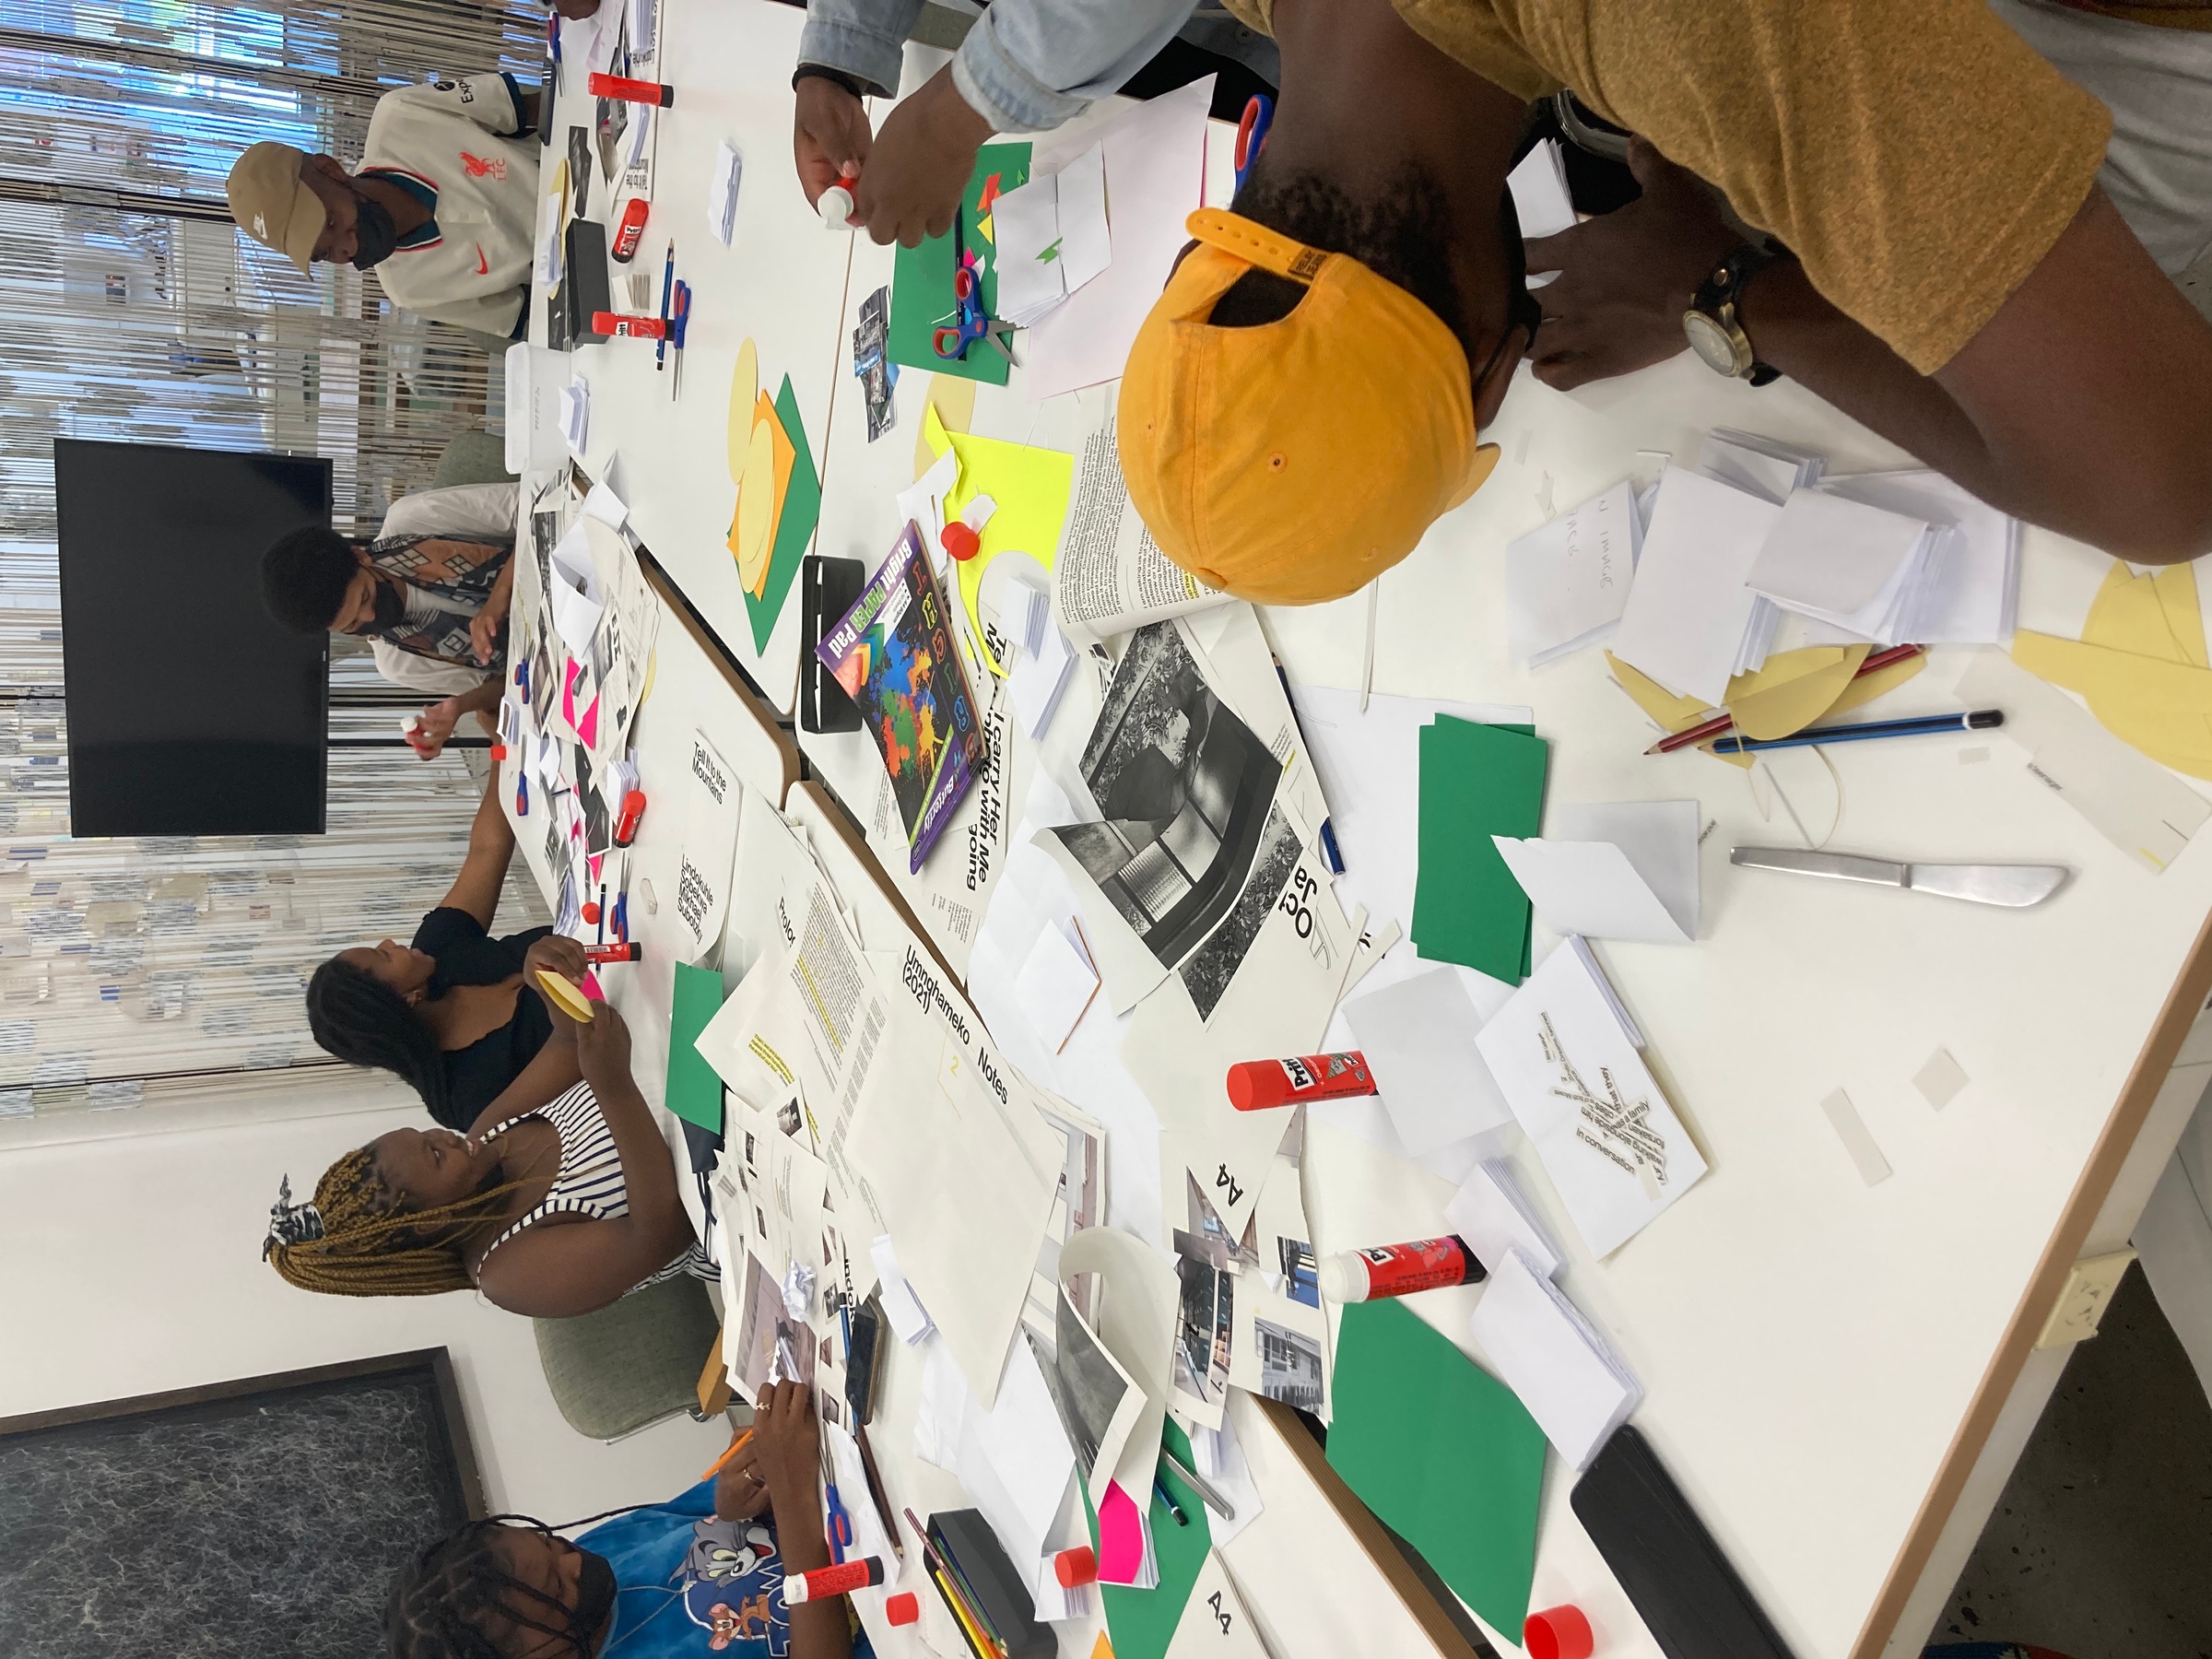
<point>1030,486</point>
<point>1794,688</point>
<point>2141,662</point>
<point>744,392</point>
<point>760,496</point>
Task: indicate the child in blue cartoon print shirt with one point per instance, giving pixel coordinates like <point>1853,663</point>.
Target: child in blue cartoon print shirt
<point>698,1575</point>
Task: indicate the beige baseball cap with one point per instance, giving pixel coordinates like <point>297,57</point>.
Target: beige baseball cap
<point>273,205</point>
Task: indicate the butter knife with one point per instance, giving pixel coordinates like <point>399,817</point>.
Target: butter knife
<point>2014,885</point>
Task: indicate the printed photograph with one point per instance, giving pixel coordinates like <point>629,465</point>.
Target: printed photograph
<point>1289,1365</point>
<point>1186,792</point>
<point>775,1347</point>
<point>1208,971</point>
<point>1203,1327</point>
<point>1086,1384</point>
<point>1300,1271</point>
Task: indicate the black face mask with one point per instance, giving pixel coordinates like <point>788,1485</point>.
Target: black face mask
<point>390,604</point>
<point>374,233</point>
<point>594,1595</point>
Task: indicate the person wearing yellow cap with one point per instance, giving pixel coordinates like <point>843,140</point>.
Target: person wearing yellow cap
<point>1938,262</point>
<point>444,206</point>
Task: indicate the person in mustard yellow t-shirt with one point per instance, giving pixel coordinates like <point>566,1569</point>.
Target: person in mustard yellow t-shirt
<point>1937,262</point>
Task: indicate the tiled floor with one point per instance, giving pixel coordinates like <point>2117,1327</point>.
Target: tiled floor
<point>2101,1547</point>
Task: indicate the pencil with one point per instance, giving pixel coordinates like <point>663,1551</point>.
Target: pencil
<point>1706,730</point>
<point>940,1574</point>
<point>722,1463</point>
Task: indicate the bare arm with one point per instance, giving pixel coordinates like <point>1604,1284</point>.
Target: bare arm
<point>784,1456</point>
<point>2084,405</point>
<point>490,849</point>
<point>551,1272</point>
<point>551,1073</point>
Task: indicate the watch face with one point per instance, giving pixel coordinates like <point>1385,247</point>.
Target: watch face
<point>1711,342</point>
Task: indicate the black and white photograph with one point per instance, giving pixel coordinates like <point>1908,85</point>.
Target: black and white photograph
<point>1208,971</point>
<point>1203,1325</point>
<point>1186,792</point>
<point>1289,1365</point>
<point>1086,1384</point>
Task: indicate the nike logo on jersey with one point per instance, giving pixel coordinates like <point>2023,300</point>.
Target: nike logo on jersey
<point>483,264</point>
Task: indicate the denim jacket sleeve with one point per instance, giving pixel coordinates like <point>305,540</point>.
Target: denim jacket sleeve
<point>865,38</point>
<point>1028,66</point>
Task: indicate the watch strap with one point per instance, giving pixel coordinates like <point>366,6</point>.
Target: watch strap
<point>824,72</point>
<point>1723,287</point>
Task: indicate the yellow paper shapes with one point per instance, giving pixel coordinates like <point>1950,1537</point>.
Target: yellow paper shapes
<point>760,462</point>
<point>2141,662</point>
<point>1794,688</point>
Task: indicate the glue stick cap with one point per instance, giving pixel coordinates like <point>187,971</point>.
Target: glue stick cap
<point>1560,1632</point>
<point>901,1608</point>
<point>835,206</point>
<point>1341,1277</point>
<point>1076,1566</point>
<point>959,541</point>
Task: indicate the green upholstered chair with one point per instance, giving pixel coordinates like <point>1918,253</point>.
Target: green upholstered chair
<point>472,458</point>
<point>633,1362</point>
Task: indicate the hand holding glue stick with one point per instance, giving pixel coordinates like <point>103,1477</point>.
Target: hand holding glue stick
<point>835,204</point>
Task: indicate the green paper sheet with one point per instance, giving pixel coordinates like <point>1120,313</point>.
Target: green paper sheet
<point>1141,1623</point>
<point>794,528</point>
<point>694,1087</point>
<point>1477,782</point>
<point>1443,1453</point>
<point>922,297</point>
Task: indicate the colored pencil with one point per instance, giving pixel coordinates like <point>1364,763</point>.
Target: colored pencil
<point>1706,730</point>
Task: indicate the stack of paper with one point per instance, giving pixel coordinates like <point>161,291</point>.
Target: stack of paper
<point>1767,467</point>
<point>576,415</point>
<point>1058,984</point>
<point>1977,594</point>
<point>1477,782</point>
<point>1418,1037</point>
<point>1056,1602</point>
<point>1690,623</point>
<point>1564,1052</point>
<point>900,1305</point>
<point>1125,1552</point>
<point>1871,574</point>
<point>1619,870</point>
<point>1567,582</point>
<point>1542,1348</point>
<point>1053,238</point>
<point>1493,1215</point>
<point>1040,675</point>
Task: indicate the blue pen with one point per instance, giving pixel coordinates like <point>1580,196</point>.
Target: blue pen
<point>660,347</point>
<point>1331,855</point>
<point>1168,1498</point>
<point>1977,720</point>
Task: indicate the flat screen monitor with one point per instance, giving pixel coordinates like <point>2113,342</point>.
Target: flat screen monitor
<point>192,710</point>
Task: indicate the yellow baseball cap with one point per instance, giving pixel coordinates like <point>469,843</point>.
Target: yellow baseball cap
<point>1293,461</point>
<point>272,205</point>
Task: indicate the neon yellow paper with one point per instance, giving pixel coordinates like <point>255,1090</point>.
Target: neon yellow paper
<point>1030,486</point>
<point>2141,664</point>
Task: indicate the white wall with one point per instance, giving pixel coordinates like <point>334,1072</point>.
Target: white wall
<point>132,1264</point>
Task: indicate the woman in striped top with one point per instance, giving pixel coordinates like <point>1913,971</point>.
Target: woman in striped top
<point>562,1197</point>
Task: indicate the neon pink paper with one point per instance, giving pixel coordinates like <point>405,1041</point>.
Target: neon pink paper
<point>1120,1537</point>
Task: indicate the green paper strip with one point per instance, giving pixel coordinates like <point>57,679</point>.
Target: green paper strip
<point>694,1087</point>
<point>1477,782</point>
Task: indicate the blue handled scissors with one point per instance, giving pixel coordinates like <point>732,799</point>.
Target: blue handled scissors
<point>840,1524</point>
<point>970,322</point>
<point>1252,133</point>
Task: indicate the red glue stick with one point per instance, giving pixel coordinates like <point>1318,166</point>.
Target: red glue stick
<point>1560,1632</point>
<point>630,817</point>
<point>632,92</point>
<point>825,1582</point>
<point>598,955</point>
<point>615,322</point>
<point>1398,1269</point>
<point>1255,1084</point>
<point>631,227</point>
<point>901,1608</point>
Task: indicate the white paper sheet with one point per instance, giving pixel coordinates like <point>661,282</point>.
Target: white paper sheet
<point>2135,803</point>
<point>1155,157</point>
<point>1858,1141</point>
<point>1863,569</point>
<point>577,598</point>
<point>909,1318</point>
<point>1540,198</point>
<point>1543,1349</point>
<point>1616,1153</point>
<point>1215,1624</point>
<point>1058,986</point>
<point>576,416</point>
<point>1492,1213</point>
<point>1567,582</point>
<point>1621,870</point>
<point>1025,228</point>
<point>712,795</point>
<point>1419,1037</point>
<point>1135,1322</point>
<point>1086,236</point>
<point>1014,1458</point>
<point>605,506</point>
<point>1978,597</point>
<point>1689,611</point>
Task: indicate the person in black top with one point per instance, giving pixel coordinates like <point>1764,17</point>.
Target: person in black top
<point>447,1012</point>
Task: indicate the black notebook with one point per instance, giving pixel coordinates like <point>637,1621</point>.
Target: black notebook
<point>1688,1595</point>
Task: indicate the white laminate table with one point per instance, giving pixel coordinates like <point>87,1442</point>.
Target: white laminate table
<point>1828,1366</point>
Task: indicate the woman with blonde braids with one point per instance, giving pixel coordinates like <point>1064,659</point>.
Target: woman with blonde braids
<point>562,1198</point>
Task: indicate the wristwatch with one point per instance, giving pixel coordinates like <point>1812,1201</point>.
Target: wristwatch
<point>1710,322</point>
